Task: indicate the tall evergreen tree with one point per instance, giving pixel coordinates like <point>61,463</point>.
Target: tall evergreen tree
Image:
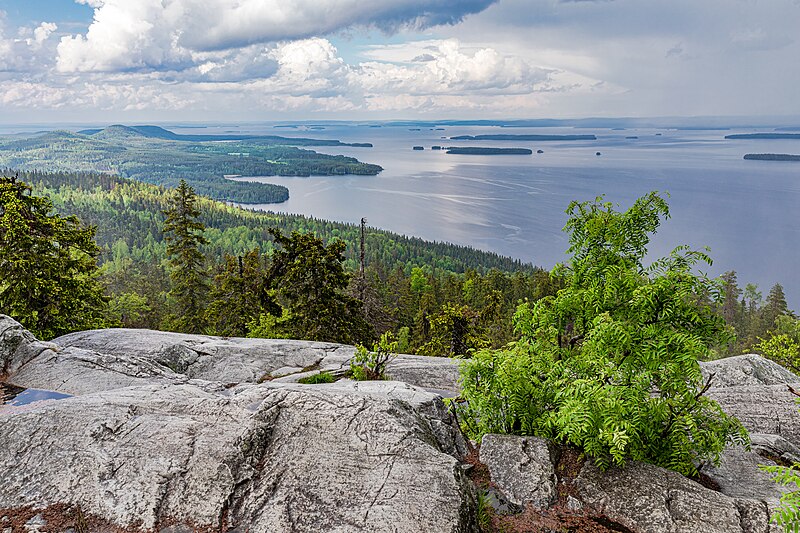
<point>48,268</point>
<point>184,235</point>
<point>309,281</point>
<point>774,307</point>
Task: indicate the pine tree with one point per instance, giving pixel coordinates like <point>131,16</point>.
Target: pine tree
<point>48,268</point>
<point>184,235</point>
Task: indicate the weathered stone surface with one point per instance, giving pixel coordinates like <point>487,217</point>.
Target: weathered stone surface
<point>266,458</point>
<point>774,447</point>
<point>755,390</point>
<point>762,409</point>
<point>749,369</point>
<point>144,447</point>
<point>521,467</point>
<point>738,476</point>
<point>77,371</point>
<point>649,499</point>
<point>17,346</point>
<point>228,360</point>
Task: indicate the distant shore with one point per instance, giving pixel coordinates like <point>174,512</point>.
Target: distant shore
<point>476,150</point>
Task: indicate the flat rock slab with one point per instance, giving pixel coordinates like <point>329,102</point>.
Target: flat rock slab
<point>739,476</point>
<point>228,360</point>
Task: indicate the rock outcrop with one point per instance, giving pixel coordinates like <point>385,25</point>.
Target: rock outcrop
<point>170,433</point>
<point>144,447</point>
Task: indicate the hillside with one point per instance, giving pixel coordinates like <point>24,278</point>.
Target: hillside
<point>158,156</point>
<point>125,210</point>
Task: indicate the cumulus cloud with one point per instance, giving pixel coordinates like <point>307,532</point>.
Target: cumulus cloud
<point>29,50</point>
<point>147,34</point>
<point>446,66</point>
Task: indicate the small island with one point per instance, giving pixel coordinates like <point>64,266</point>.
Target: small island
<point>795,136</point>
<point>539,151</point>
<point>510,137</point>
<point>476,150</point>
<point>772,157</point>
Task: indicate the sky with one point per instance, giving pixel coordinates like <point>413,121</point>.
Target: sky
<point>229,60</point>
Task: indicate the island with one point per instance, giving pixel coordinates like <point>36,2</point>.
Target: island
<point>772,157</point>
<point>476,150</point>
<point>508,137</point>
<point>539,151</point>
<point>418,148</point>
<point>795,136</point>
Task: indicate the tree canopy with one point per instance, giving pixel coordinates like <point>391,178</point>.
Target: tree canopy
<point>48,269</point>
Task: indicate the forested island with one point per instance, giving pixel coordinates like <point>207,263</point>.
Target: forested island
<point>158,156</point>
<point>510,137</point>
<point>734,136</point>
<point>157,132</point>
<point>477,150</point>
<point>773,157</point>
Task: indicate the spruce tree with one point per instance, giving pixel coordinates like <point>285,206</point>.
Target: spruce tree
<point>308,280</point>
<point>48,268</point>
<point>184,235</point>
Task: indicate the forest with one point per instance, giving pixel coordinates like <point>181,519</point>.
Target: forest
<point>435,298</point>
<point>162,160</point>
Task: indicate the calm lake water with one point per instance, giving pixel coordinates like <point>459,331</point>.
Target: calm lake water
<point>745,211</point>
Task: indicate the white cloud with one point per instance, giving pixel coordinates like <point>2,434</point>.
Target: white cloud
<point>42,33</point>
<point>156,34</point>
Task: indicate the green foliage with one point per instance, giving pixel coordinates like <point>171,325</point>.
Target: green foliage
<point>316,379</point>
<point>454,332</point>
<point>270,326</point>
<point>309,280</point>
<point>609,364</point>
<point>369,365</point>
<point>129,308</point>
<point>48,268</point>
<point>788,514</point>
<point>184,236</point>
<point>129,219</point>
<point>483,510</point>
<point>238,295</point>
<point>783,343</point>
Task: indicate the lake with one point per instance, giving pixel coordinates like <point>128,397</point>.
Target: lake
<point>745,211</point>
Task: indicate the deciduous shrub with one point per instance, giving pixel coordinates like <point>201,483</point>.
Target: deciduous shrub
<point>610,364</point>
